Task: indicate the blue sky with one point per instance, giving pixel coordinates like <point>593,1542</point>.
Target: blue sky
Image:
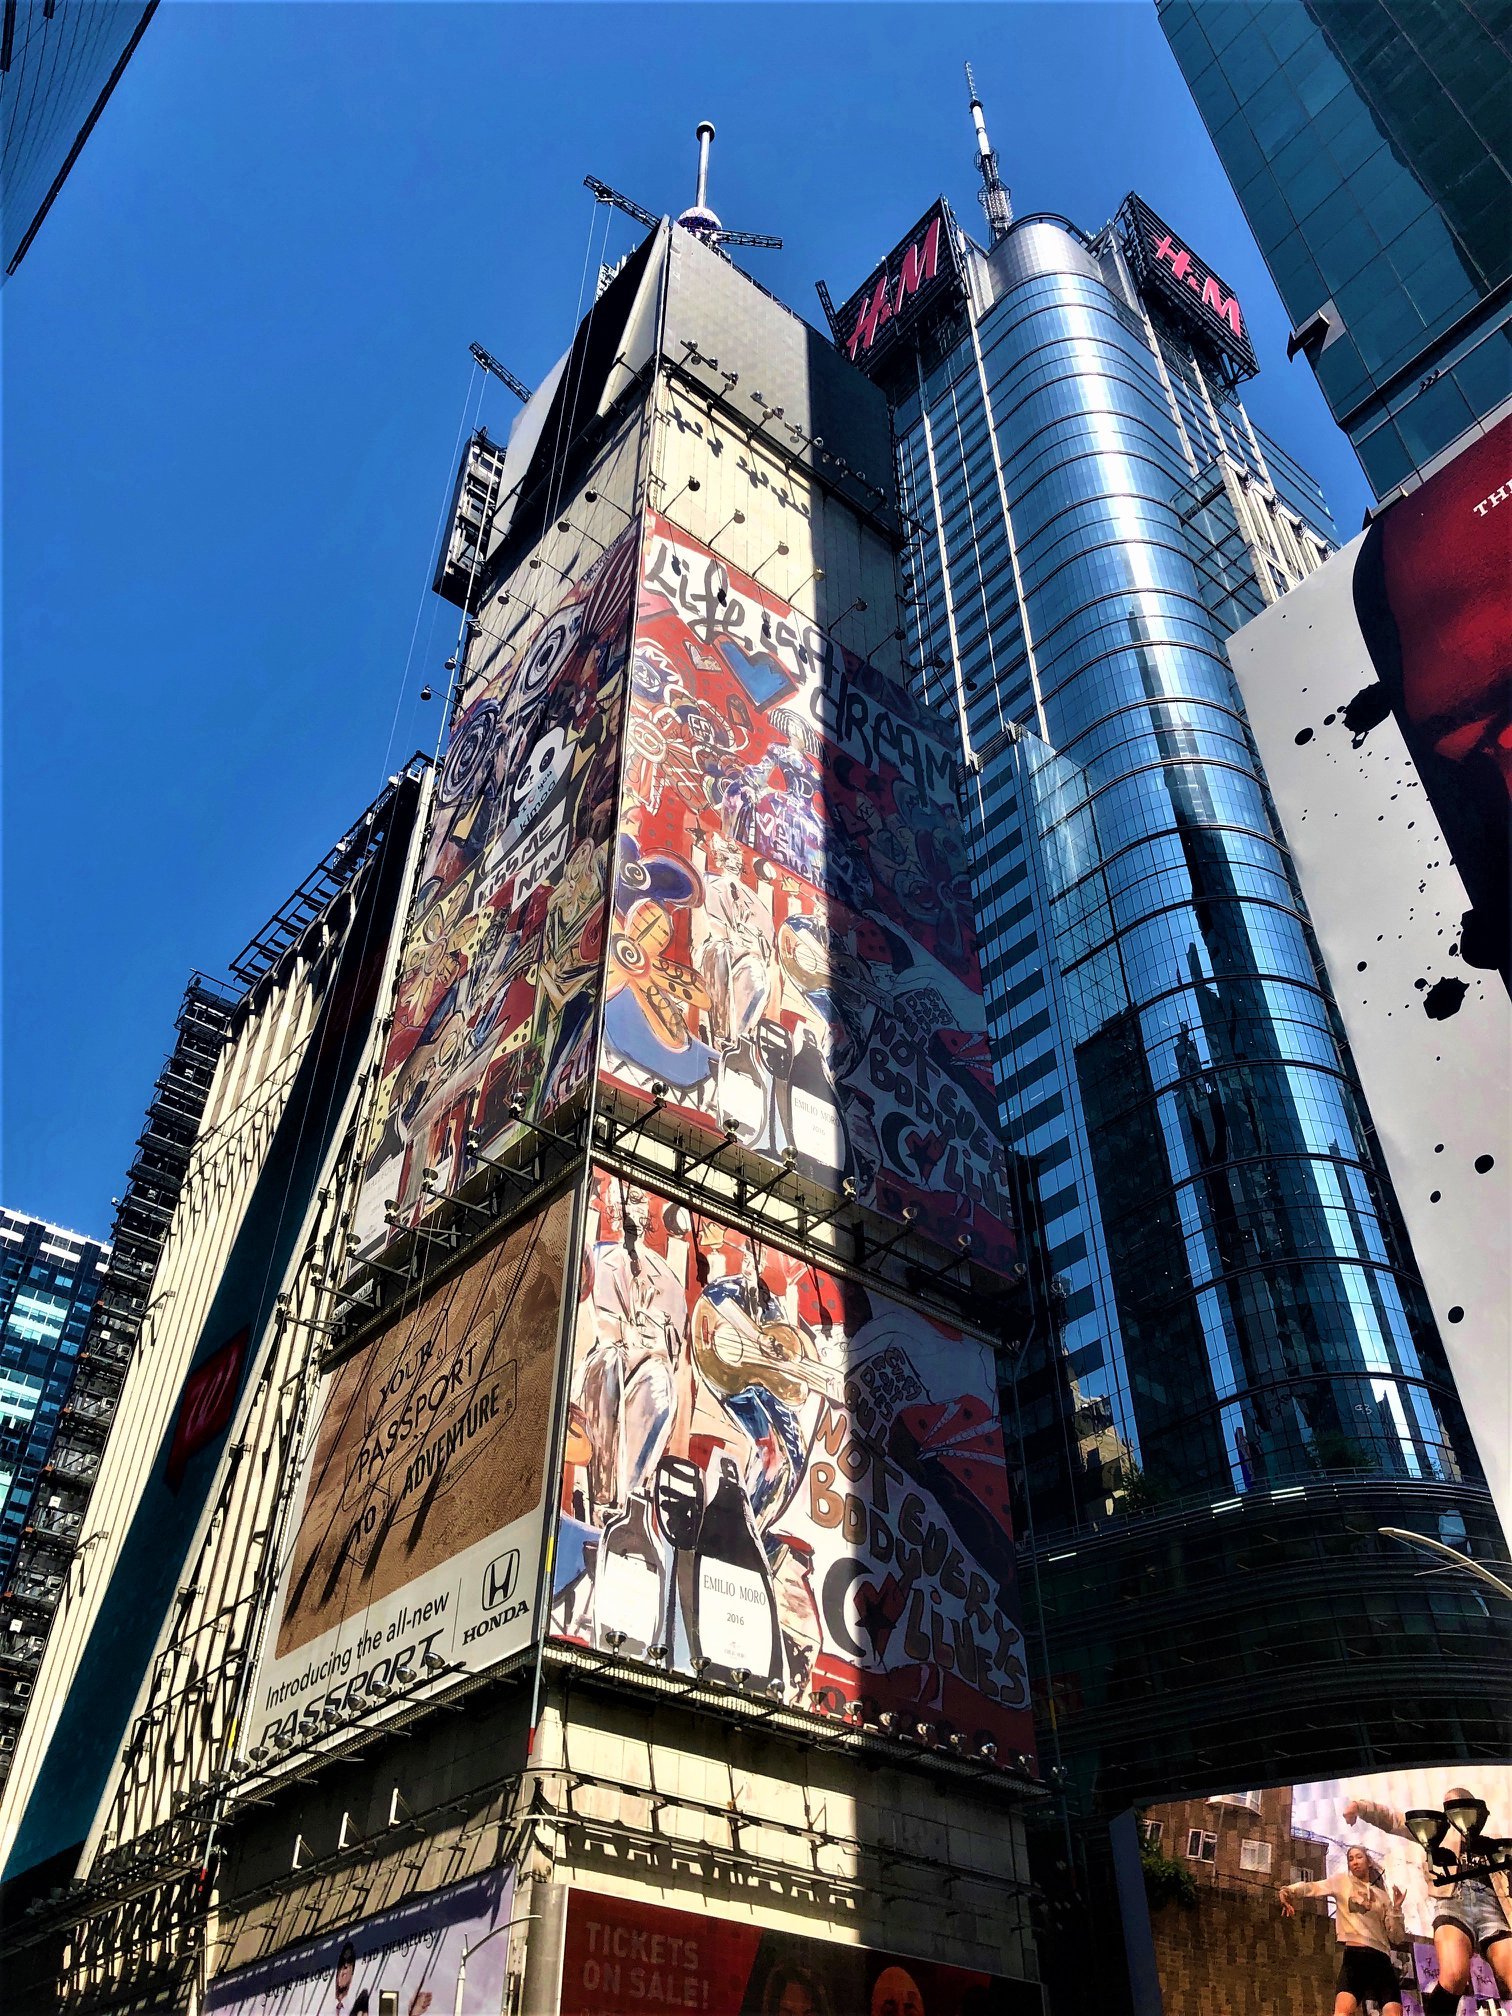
<point>235,363</point>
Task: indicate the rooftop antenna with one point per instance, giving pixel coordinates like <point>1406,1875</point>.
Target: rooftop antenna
<point>993,194</point>
<point>698,218</point>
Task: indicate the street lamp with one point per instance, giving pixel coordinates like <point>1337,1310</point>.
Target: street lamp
<point>468,1950</point>
<point>1475,1568</point>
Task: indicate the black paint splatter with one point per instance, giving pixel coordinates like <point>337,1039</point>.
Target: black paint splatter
<point>1367,710</point>
<point>1444,998</point>
<point>1484,1164</point>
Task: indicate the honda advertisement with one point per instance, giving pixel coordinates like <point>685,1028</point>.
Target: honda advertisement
<point>418,1539</point>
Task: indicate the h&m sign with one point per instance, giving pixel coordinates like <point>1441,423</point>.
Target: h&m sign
<point>1167,268</point>
<point>916,273</point>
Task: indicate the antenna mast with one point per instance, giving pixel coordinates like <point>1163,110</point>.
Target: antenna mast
<point>993,194</point>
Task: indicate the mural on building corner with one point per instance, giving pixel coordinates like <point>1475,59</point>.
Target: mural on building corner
<point>791,948</point>
<point>777,1479</point>
<point>501,960</point>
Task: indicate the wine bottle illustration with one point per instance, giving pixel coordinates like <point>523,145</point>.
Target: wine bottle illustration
<point>743,1093</point>
<point>630,1583</point>
<point>737,1625</point>
<point>679,1512</point>
<point>815,1125</point>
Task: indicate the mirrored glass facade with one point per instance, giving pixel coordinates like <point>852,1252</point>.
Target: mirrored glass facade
<point>1370,146</point>
<point>59,62</point>
<point>49,1280</point>
<point>1234,1323</point>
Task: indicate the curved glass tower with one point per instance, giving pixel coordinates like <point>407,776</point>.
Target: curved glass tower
<point>1235,1328</point>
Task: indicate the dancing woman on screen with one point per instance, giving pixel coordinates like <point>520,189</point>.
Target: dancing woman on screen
<point>1367,1924</point>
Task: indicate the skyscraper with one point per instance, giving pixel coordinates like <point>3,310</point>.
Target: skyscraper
<point>604,1591</point>
<point>59,62</point>
<point>1370,149</point>
<point>49,1280</point>
<point>1236,1371</point>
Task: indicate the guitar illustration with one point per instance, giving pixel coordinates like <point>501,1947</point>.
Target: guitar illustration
<point>732,1351</point>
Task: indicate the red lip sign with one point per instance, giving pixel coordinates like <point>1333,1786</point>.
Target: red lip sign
<point>208,1402</point>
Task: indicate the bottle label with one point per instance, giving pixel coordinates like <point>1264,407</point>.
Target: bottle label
<point>817,1130</point>
<point>627,1596</point>
<point>734,1616</point>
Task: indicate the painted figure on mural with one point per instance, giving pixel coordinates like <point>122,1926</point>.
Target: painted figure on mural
<point>627,1397</point>
<point>761,1370</point>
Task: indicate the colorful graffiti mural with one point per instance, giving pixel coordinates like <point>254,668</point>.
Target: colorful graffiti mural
<point>791,947</point>
<point>778,1479</point>
<point>500,967</point>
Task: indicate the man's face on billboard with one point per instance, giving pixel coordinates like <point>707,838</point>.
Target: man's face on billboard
<point>896,1994</point>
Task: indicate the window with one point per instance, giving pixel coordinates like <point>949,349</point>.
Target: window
<point>1201,1846</point>
<point>1150,1832</point>
<point>1255,1855</point>
<point>1300,1873</point>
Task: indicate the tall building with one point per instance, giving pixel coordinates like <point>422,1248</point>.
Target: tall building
<point>59,62</point>
<point>1236,1379</point>
<point>49,1281</point>
<point>601,1590</point>
<point>1370,147</point>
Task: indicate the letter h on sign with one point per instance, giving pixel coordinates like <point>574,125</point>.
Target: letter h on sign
<point>891,294</point>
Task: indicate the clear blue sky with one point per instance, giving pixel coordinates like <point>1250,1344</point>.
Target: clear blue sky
<point>235,361</point>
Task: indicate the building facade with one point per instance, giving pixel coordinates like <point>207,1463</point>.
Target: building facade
<point>604,1590</point>
<point>59,62</point>
<point>49,1282</point>
<point>1237,1373</point>
<point>1371,151</point>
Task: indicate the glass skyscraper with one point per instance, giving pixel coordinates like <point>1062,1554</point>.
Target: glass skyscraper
<point>49,1280</point>
<point>1370,147</point>
<point>59,62</point>
<point>1236,1377</point>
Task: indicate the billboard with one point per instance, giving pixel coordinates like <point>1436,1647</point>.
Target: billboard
<point>1430,1033</point>
<point>622,1955</point>
<point>922,270</point>
<point>791,947</point>
<point>1259,1902</point>
<point>419,1527</point>
<point>1433,593</point>
<point>430,1956</point>
<point>779,1480</point>
<point>1167,268</point>
<point>499,972</point>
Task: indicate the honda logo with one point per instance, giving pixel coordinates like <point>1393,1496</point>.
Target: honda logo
<point>499,1579</point>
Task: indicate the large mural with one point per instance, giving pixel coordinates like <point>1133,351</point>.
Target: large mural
<point>791,945</point>
<point>777,1479</point>
<point>500,968</point>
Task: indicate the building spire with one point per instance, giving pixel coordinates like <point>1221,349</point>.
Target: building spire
<point>993,194</point>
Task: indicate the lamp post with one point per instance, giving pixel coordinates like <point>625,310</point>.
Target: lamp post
<point>1475,1568</point>
<point>469,1949</point>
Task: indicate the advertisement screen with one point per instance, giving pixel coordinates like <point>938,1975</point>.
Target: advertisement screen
<point>501,958</point>
<point>404,1962</point>
<point>791,947</point>
<point>1433,593</point>
<point>780,1481</point>
<point>420,1524</point>
<point>1278,1900</point>
<point>621,1955</point>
